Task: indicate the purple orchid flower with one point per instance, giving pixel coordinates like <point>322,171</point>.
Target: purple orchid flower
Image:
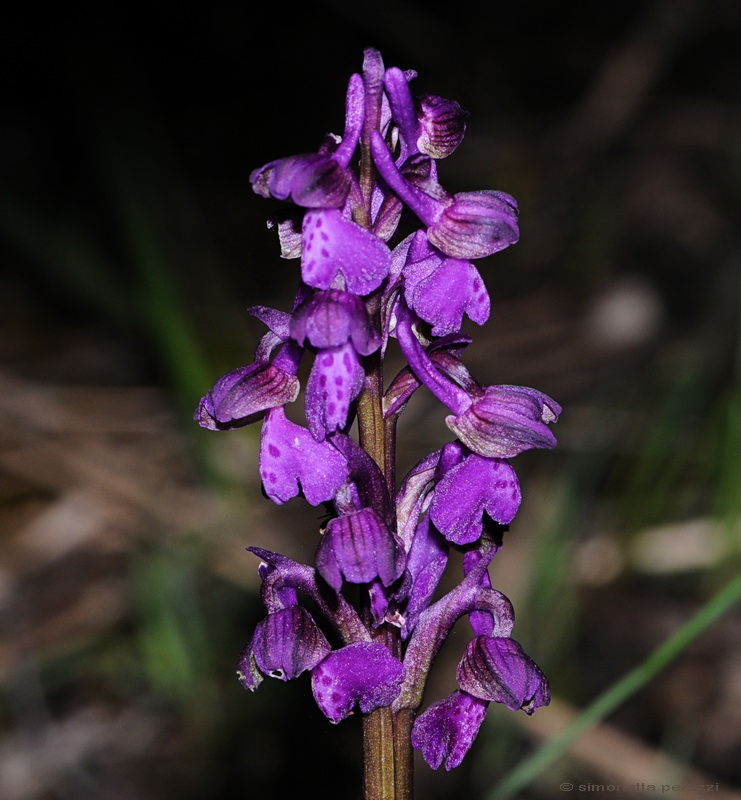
<point>445,732</point>
<point>368,620</point>
<point>475,487</point>
<point>334,246</point>
<point>359,547</point>
<point>337,324</point>
<point>441,290</point>
<point>291,460</point>
<point>431,125</point>
<point>495,668</point>
<point>364,673</point>
<point>465,225</point>
<point>317,180</point>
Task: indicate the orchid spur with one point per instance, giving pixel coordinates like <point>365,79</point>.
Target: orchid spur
<point>375,584</point>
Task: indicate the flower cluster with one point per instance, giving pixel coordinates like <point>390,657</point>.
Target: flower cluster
<point>359,290</point>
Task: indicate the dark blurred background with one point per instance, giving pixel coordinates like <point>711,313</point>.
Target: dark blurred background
<point>132,245</point>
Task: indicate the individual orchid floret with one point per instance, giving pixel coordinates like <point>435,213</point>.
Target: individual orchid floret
<point>505,420</point>
<point>496,668</point>
<point>430,125</point>
<point>291,460</point>
<point>466,225</point>
<point>445,732</point>
<point>282,576</point>
<point>359,547</point>
<point>363,673</point>
<point>437,620</point>
<point>338,325</point>
<point>314,180</point>
<point>287,643</point>
<point>317,180</point>
<point>332,318</point>
<point>242,396</point>
<point>334,246</point>
<point>475,487</point>
<point>441,290</point>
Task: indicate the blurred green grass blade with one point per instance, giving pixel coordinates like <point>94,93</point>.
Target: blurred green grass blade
<point>162,308</point>
<point>172,630</point>
<point>620,691</point>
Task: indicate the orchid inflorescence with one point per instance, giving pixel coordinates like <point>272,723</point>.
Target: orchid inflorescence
<point>381,555</point>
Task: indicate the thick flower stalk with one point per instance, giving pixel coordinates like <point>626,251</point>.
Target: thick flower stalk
<point>374,586</point>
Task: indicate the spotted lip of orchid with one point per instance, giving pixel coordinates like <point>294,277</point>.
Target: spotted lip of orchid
<point>467,491</point>
<point>445,732</point>
<point>291,460</point>
<point>363,673</point>
<point>441,289</point>
<point>338,325</point>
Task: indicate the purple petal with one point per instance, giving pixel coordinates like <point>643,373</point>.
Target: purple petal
<point>442,290</point>
<point>332,318</point>
<point>426,563</point>
<point>287,643</point>
<point>474,486</point>
<point>476,224</point>
<point>290,458</point>
<point>279,322</point>
<point>497,669</point>
<point>442,126</point>
<point>332,245</point>
<point>362,673</point>
<point>403,109</point>
<point>359,547</point>
<point>505,421</point>
<point>314,180</point>
<point>336,379</point>
<point>445,732</point>
<point>241,396</point>
<point>280,574</point>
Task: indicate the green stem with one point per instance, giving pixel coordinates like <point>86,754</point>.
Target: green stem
<point>387,746</point>
<point>388,759</point>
